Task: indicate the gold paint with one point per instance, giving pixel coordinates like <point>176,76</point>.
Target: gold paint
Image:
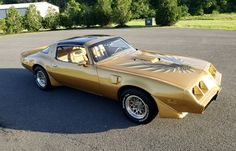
<point>172,90</point>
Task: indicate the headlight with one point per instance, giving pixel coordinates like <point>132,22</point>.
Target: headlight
<point>203,86</point>
<point>212,70</point>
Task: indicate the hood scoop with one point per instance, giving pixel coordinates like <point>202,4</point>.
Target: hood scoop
<point>147,57</point>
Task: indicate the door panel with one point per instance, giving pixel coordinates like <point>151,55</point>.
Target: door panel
<point>76,76</point>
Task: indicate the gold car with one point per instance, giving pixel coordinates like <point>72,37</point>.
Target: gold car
<point>146,83</point>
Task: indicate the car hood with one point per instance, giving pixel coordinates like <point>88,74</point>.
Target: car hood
<point>180,71</point>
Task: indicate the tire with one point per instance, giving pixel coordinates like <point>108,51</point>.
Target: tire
<point>41,78</point>
<point>138,106</point>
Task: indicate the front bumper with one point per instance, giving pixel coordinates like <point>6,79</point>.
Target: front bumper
<point>190,104</point>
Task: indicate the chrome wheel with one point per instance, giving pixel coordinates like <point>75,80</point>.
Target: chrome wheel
<point>136,107</point>
<point>41,79</point>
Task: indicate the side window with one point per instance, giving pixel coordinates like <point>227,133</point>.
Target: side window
<point>72,54</point>
<point>46,50</point>
<point>63,53</point>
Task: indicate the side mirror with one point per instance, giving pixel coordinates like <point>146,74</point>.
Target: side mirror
<point>83,63</point>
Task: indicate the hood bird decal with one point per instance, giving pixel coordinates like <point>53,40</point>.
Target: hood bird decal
<point>165,64</point>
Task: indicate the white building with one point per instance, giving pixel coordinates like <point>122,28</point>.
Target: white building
<point>42,7</point>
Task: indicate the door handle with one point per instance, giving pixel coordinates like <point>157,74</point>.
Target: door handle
<point>54,65</point>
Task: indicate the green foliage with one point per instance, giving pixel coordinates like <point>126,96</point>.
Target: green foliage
<point>141,9</point>
<point>231,5</point>
<point>51,20</point>
<point>200,7</point>
<point>168,13</point>
<point>121,11</point>
<point>183,11</point>
<point>13,21</point>
<point>32,19</point>
<point>87,16</point>
<point>60,3</point>
<point>103,12</point>
<point>71,14</point>
<point>2,25</point>
<point>87,2</point>
<point>196,7</point>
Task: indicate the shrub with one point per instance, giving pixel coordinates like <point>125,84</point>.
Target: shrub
<point>51,20</point>
<point>142,9</point>
<point>13,21</point>
<point>71,14</point>
<point>168,13</point>
<point>121,11</point>
<point>2,25</point>
<point>183,11</point>
<point>32,19</point>
<point>103,12</point>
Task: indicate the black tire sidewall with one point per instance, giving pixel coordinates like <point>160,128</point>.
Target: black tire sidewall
<point>152,107</point>
<point>37,69</point>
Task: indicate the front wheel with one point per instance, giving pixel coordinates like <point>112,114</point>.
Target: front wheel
<point>138,106</point>
<point>41,78</point>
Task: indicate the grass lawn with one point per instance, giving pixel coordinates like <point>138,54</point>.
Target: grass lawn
<point>137,22</point>
<point>208,21</point>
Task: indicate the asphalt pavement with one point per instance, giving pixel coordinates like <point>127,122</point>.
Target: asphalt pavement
<point>67,119</point>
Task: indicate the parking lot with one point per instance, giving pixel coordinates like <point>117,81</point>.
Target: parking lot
<point>67,119</point>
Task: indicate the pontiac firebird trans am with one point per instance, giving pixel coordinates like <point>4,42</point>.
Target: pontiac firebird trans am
<point>146,83</point>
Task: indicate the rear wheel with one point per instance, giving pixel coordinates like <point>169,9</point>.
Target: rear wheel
<point>41,78</point>
<point>138,106</point>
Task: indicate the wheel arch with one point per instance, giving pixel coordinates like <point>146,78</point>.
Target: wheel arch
<point>52,80</point>
<point>125,87</point>
<point>37,65</point>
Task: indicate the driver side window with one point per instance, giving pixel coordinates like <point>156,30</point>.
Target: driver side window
<point>72,54</point>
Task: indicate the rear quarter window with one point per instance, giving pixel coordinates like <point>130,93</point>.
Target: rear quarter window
<point>46,50</point>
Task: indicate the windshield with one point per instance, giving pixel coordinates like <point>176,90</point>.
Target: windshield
<point>108,48</point>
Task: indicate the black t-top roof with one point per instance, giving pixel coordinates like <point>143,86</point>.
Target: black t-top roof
<point>81,40</point>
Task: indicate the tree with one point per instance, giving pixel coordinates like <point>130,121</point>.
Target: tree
<point>199,7</point>
<point>141,9</point>
<point>51,20</point>
<point>121,11</point>
<point>59,3</point>
<point>183,11</point>
<point>2,25</point>
<point>87,15</point>
<point>103,12</point>
<point>231,5</point>
<point>13,21</point>
<point>32,19</point>
<point>71,14</point>
<point>168,13</point>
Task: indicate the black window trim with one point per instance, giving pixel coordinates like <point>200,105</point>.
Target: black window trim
<point>91,61</point>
